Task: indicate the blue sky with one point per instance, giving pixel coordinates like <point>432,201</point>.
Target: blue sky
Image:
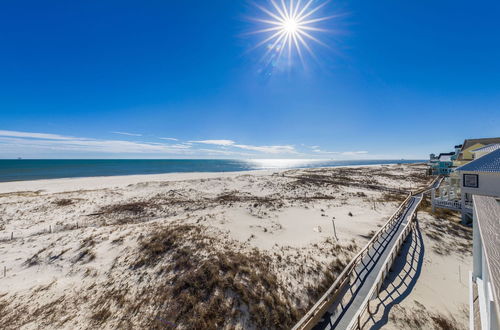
<point>113,79</point>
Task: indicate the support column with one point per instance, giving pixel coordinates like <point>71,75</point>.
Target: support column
<point>476,250</point>
<point>433,196</point>
<point>462,204</point>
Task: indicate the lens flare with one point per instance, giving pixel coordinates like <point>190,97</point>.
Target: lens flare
<point>289,27</point>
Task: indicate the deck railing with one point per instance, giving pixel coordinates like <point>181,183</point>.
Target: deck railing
<point>452,204</point>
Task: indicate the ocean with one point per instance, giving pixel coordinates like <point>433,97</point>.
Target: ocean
<point>27,169</point>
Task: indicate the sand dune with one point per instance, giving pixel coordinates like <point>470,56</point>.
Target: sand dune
<point>246,250</point>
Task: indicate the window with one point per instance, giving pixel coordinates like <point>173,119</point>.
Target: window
<point>471,180</point>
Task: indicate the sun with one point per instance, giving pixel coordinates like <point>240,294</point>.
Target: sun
<point>289,26</point>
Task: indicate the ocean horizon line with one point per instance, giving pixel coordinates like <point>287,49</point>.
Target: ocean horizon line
<point>38,169</point>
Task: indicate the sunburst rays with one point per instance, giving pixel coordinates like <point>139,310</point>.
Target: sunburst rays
<point>289,27</point>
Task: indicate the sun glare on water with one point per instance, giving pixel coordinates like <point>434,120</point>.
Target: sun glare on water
<point>289,27</point>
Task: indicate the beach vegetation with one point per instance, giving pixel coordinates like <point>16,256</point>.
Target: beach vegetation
<point>63,202</point>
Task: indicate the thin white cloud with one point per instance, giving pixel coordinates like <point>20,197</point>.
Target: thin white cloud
<point>318,150</point>
<point>268,149</point>
<point>13,142</point>
<point>354,153</point>
<point>42,142</point>
<point>169,139</point>
<point>180,146</point>
<point>262,149</point>
<point>127,134</point>
<point>224,152</point>
<point>35,135</point>
<point>216,142</point>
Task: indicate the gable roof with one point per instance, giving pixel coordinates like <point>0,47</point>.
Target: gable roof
<point>487,163</point>
<point>488,148</point>
<point>470,142</point>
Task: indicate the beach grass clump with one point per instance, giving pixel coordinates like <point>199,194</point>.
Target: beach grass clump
<point>389,197</point>
<point>85,256</point>
<point>127,212</point>
<point>134,208</point>
<point>449,235</point>
<point>443,322</point>
<point>445,230</point>
<point>420,318</point>
<point>316,290</point>
<point>63,202</point>
<point>200,285</point>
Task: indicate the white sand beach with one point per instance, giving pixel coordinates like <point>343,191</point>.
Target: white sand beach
<point>238,250</point>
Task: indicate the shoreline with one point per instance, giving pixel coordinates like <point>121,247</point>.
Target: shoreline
<point>114,181</point>
<point>34,170</point>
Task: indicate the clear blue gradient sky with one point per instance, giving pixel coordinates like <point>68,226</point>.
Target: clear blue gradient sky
<point>109,79</point>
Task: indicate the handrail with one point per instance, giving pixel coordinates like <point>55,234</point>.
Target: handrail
<point>309,320</point>
<point>383,271</point>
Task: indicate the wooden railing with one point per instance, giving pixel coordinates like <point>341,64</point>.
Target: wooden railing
<point>375,289</point>
<point>312,317</point>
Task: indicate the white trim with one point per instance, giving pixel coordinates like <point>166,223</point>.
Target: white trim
<point>471,301</point>
<point>483,310</point>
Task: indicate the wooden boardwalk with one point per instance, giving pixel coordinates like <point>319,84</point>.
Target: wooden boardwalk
<point>345,302</point>
<point>345,310</point>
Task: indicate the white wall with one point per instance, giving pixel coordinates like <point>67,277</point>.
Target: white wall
<point>481,275</point>
<point>489,184</point>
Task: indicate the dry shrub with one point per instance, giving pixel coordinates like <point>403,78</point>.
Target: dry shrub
<point>14,315</point>
<point>425,204</point>
<point>132,207</point>
<point>392,197</point>
<point>443,322</point>
<point>451,237</point>
<point>448,234</point>
<point>101,315</point>
<point>198,286</point>
<point>86,255</point>
<point>63,202</point>
<point>128,212</point>
<point>330,274</point>
<point>420,318</point>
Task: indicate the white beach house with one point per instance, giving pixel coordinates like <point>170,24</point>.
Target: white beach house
<point>480,183</point>
<point>484,282</point>
<point>478,177</point>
